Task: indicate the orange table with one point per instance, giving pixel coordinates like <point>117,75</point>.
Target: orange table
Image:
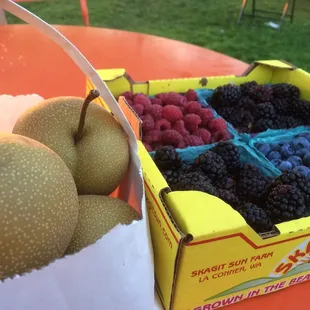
<point>31,63</point>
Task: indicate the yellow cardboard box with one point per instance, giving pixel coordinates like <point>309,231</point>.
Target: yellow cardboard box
<point>206,256</point>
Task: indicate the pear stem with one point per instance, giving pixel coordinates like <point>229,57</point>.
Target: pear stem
<point>92,95</point>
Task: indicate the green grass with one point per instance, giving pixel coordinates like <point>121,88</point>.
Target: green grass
<point>208,23</point>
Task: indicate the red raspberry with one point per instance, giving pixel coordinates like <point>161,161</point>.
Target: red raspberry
<point>142,99</point>
<point>191,95</point>
<point>162,125</point>
<point>152,136</point>
<point>221,136</point>
<point>204,134</point>
<point>147,147</point>
<point>172,98</point>
<point>129,102</point>
<point>217,124</point>
<point>183,102</point>
<point>156,111</point>
<point>172,113</point>
<point>161,97</point>
<point>156,146</point>
<point>138,108</point>
<point>180,128</point>
<point>128,95</point>
<point>193,107</point>
<point>147,123</point>
<point>193,140</point>
<point>156,101</point>
<point>206,115</point>
<point>184,107</point>
<point>192,122</point>
<point>148,108</point>
<point>147,139</point>
<point>171,137</point>
<point>181,145</point>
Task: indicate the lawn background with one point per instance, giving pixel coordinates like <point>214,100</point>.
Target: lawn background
<point>208,23</point>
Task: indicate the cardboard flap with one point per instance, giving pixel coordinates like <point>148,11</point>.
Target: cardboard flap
<point>133,118</point>
<point>208,215</point>
<point>275,64</point>
<point>158,181</point>
<point>111,74</point>
<point>266,68</point>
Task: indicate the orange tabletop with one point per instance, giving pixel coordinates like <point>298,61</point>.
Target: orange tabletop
<point>32,63</point>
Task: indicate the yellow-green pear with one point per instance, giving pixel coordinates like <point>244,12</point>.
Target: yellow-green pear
<point>85,135</point>
<point>38,205</point>
<point>98,215</point>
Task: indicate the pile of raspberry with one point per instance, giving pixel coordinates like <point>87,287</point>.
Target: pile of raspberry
<point>177,120</point>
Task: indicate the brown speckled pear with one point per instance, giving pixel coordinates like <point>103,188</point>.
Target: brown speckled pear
<point>39,205</point>
<point>98,215</point>
<point>93,145</point>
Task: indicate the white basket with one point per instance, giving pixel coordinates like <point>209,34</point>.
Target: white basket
<point>115,273</point>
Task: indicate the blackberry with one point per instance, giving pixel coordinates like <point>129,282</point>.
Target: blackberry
<point>301,108</point>
<point>263,125</point>
<point>185,168</point>
<point>167,158</point>
<point>287,122</point>
<point>285,203</point>
<point>261,93</point>
<point>246,88</point>
<point>253,188</point>
<point>230,154</point>
<point>239,118</point>
<point>230,114</point>
<point>187,181</point>
<point>286,91</point>
<point>212,165</point>
<point>247,121</point>
<point>226,95</point>
<point>172,177</point>
<point>246,103</point>
<point>229,198</point>
<point>227,184</point>
<point>231,93</point>
<point>256,217</point>
<point>282,106</point>
<point>206,188</point>
<point>248,170</point>
<point>294,179</point>
<point>279,122</point>
<point>265,111</point>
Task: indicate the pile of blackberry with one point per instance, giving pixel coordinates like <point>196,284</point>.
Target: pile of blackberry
<point>253,108</point>
<point>261,200</point>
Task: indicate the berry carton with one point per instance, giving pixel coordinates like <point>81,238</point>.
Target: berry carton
<point>207,256</point>
<point>250,114</point>
<point>171,118</point>
<point>285,149</point>
<point>257,106</point>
